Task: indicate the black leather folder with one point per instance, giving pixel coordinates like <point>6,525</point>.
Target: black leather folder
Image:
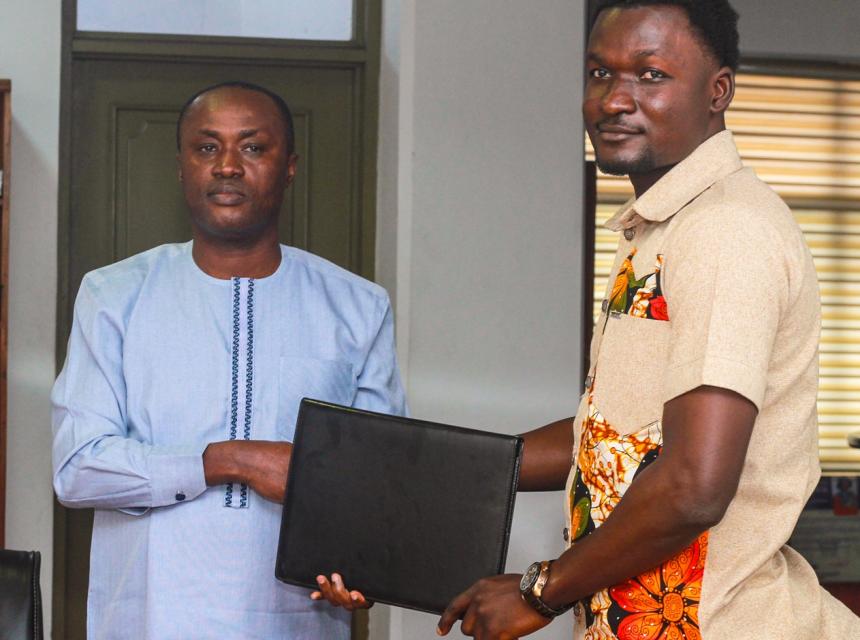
<point>410,512</point>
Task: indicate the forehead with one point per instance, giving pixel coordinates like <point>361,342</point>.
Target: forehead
<point>233,107</point>
<point>662,30</point>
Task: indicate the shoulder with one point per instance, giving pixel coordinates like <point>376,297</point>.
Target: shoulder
<point>741,226</point>
<point>333,277</point>
<point>117,284</point>
<point>740,213</point>
<point>743,203</point>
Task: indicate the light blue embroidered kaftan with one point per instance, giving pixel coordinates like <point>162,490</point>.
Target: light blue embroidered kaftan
<point>164,359</point>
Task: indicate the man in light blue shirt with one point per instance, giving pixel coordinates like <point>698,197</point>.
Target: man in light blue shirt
<point>174,411</point>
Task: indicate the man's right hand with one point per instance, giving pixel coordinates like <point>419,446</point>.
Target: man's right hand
<point>260,464</point>
<point>338,595</point>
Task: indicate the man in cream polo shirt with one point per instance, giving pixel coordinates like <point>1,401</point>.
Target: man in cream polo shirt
<point>695,443</point>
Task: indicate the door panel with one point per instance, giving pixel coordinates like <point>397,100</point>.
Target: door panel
<point>145,183</point>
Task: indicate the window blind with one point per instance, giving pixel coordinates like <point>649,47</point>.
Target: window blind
<point>802,137</point>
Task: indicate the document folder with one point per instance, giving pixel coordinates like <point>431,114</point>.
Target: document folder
<point>409,512</point>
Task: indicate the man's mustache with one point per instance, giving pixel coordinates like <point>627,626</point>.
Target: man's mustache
<point>618,125</point>
<point>225,186</point>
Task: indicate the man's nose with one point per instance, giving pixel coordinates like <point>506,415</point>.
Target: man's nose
<point>229,164</point>
<point>618,98</point>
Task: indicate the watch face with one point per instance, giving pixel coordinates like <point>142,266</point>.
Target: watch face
<point>530,577</point>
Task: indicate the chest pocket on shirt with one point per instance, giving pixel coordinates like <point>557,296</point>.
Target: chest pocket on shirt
<point>303,377</point>
<point>631,365</point>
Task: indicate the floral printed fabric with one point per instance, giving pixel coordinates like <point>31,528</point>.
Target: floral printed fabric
<point>639,297</point>
<point>661,604</point>
<point>664,602</point>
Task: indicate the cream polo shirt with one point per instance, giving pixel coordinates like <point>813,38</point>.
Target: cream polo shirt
<point>713,285</point>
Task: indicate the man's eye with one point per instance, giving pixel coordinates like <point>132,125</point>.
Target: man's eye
<point>207,148</point>
<point>599,73</point>
<point>653,74</point>
<point>254,148</point>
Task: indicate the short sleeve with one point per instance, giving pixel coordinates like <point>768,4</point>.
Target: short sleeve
<point>726,285</point>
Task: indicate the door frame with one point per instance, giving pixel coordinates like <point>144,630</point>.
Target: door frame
<point>360,55</point>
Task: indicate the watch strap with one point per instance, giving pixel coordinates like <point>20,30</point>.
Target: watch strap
<point>533,596</point>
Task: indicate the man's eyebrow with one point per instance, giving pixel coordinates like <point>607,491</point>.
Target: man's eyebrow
<point>641,53</point>
<point>244,133</point>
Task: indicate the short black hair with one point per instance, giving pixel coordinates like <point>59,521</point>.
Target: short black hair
<point>283,108</point>
<point>715,22</point>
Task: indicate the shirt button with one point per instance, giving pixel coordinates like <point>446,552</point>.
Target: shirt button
<point>629,234</point>
<point>588,382</point>
<point>180,497</point>
<point>566,534</point>
<point>577,610</point>
<point>604,306</point>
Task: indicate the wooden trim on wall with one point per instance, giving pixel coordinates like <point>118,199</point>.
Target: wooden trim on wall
<point>127,46</point>
<point>6,138</point>
<point>791,67</point>
<point>589,190</point>
<point>589,211</point>
<point>60,548</point>
<point>369,104</point>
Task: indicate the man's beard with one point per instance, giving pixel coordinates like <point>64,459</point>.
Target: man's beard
<point>644,163</point>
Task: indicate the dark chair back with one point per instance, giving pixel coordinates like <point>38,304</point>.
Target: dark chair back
<point>20,595</point>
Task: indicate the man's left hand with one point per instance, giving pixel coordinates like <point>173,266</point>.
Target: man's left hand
<point>261,464</point>
<point>492,609</point>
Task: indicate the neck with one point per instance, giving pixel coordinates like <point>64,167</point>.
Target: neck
<point>642,182</point>
<point>225,259</point>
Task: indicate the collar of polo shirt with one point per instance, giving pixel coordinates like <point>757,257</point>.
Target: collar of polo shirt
<point>712,160</point>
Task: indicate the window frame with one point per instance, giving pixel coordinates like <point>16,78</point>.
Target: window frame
<point>359,9</point>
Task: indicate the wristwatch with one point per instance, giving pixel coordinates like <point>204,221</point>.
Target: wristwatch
<point>531,588</point>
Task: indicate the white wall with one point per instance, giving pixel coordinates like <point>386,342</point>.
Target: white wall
<point>480,189</point>
<point>30,56</point>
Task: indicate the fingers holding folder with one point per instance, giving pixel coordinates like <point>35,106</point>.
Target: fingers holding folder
<point>335,591</point>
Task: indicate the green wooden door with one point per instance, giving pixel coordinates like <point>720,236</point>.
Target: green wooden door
<point>120,193</point>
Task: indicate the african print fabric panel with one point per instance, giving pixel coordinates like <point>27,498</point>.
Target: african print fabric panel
<point>661,604</point>
<point>638,297</point>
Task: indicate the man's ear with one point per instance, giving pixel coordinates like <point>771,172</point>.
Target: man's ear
<point>291,168</point>
<point>178,167</point>
<point>723,90</point>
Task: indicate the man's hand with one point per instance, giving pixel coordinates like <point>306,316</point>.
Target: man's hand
<point>492,609</point>
<point>338,595</point>
<point>260,464</point>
